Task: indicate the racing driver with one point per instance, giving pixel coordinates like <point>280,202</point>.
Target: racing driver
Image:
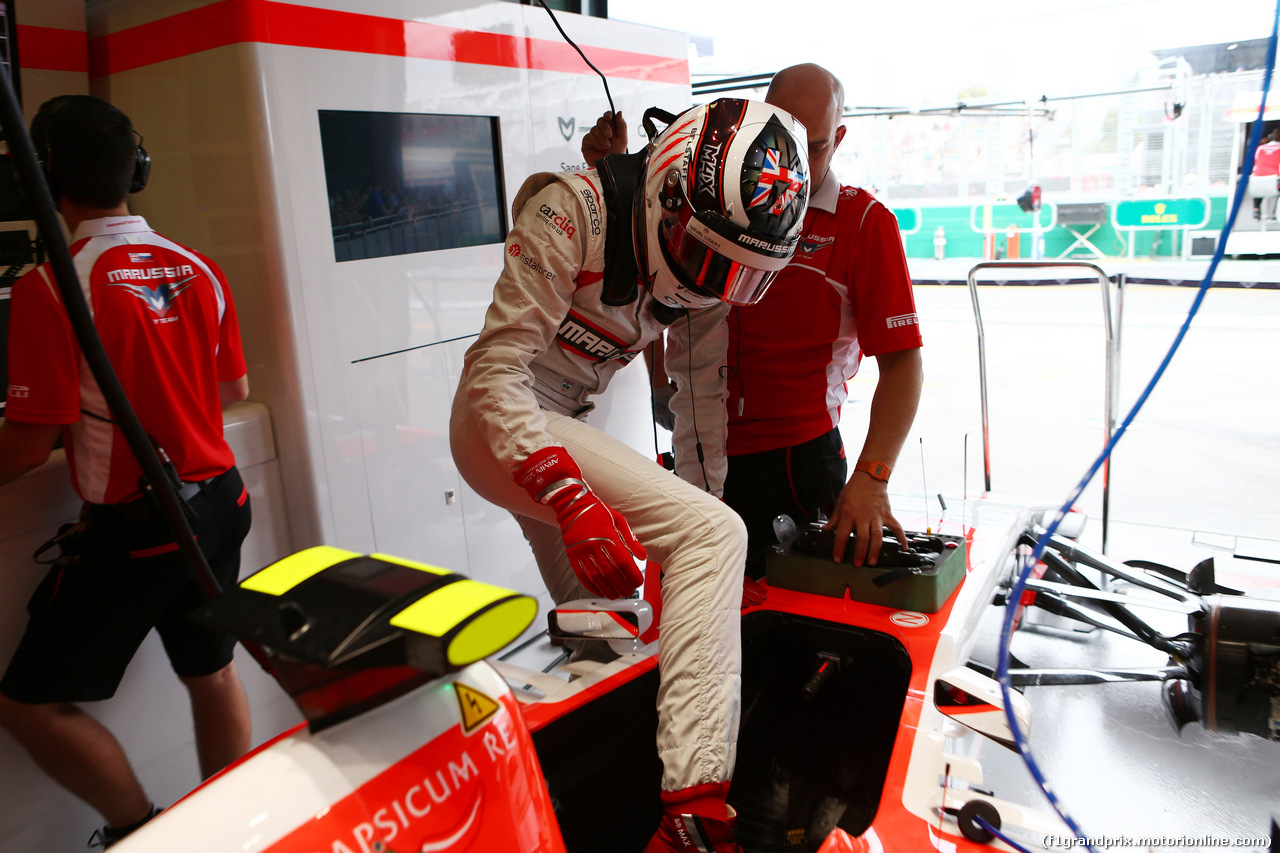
<point>597,265</point>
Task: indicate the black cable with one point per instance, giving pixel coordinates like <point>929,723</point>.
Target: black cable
<point>693,405</point>
<point>580,53</point>
<point>529,642</point>
<point>728,373</point>
<point>653,398</point>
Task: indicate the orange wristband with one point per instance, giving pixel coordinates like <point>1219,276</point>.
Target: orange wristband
<point>874,470</point>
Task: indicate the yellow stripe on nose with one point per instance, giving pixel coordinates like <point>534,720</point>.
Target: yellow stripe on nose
<point>283,575</point>
<point>474,619</point>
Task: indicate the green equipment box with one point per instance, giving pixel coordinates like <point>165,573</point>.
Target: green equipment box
<point>920,579</point>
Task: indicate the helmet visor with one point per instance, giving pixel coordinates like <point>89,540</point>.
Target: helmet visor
<point>705,270</point>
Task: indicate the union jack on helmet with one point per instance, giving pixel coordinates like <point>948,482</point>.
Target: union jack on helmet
<point>725,190</point>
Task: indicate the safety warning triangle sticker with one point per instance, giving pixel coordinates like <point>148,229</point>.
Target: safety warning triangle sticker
<point>474,705</point>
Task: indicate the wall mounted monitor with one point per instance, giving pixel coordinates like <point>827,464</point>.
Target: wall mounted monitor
<point>400,183</point>
<point>8,46</point>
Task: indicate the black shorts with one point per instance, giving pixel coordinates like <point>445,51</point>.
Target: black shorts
<point>796,481</point>
<point>88,619</point>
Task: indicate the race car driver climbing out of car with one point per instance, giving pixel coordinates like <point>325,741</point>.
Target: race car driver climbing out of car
<point>597,265</point>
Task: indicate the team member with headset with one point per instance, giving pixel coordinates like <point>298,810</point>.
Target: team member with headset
<point>597,265</point>
<point>167,322</point>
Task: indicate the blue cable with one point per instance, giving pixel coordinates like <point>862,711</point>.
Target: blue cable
<point>1015,594</point>
<point>980,821</point>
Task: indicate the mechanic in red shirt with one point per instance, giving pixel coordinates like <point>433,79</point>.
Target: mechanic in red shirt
<point>846,293</point>
<point>1266,173</point>
<point>168,324</point>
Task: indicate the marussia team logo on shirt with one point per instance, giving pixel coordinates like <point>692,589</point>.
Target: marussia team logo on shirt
<point>580,337</point>
<point>160,297</point>
<point>809,245</point>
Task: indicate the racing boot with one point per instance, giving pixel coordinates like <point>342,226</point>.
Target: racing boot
<point>695,819</point>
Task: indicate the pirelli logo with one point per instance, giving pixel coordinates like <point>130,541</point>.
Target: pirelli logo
<point>900,320</point>
<point>580,337</point>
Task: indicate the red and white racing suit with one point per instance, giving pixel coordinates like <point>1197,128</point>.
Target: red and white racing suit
<point>547,345</point>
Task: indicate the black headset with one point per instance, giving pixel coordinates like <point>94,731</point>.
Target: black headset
<point>51,109</point>
<point>141,167</point>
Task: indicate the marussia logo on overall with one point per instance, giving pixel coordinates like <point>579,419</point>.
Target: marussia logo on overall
<point>580,337</point>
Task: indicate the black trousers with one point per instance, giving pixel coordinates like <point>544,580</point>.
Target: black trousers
<point>88,618</point>
<point>798,481</point>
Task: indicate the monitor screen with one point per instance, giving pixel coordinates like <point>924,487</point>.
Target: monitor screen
<point>8,46</point>
<point>403,182</point>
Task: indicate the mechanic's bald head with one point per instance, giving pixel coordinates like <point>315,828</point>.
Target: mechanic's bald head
<point>813,95</point>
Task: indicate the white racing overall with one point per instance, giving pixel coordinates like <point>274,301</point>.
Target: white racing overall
<point>549,343</point>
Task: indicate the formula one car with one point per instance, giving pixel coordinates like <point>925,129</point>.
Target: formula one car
<point>856,697</point>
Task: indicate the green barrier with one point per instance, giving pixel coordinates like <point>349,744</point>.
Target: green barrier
<point>1161,213</point>
<point>908,219</point>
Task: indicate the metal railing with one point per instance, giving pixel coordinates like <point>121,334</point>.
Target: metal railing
<point>1111,332</point>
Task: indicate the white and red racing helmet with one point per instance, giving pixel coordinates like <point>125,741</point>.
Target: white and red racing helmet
<point>725,190</point>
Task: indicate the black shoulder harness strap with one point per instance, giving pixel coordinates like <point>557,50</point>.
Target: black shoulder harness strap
<point>620,177</point>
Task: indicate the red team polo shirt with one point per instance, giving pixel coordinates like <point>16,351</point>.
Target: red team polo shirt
<point>167,322</point>
<point>1266,160</point>
<point>846,293</point>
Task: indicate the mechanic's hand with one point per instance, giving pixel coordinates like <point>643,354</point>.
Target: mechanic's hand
<point>753,593</point>
<point>863,508</point>
<point>600,545</point>
<point>609,136</point>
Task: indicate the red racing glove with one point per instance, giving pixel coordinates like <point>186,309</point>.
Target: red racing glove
<point>601,547</point>
<point>753,593</point>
